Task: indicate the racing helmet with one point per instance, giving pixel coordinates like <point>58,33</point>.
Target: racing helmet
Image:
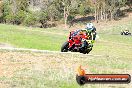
<point>89,26</point>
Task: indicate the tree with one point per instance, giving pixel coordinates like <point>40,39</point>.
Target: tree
<point>1,10</point>
<point>129,3</point>
<point>42,11</point>
<point>105,9</point>
<point>12,9</point>
<point>68,7</point>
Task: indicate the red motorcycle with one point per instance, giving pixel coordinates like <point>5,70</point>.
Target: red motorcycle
<point>78,41</point>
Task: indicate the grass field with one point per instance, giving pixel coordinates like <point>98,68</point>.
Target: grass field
<point>35,38</point>
<point>112,53</point>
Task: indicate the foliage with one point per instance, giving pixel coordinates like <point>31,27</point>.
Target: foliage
<point>30,12</point>
<point>30,19</point>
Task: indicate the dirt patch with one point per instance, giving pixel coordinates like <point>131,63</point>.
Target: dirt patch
<point>22,69</point>
<point>6,45</point>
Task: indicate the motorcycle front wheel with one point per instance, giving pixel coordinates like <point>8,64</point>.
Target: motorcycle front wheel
<point>64,47</point>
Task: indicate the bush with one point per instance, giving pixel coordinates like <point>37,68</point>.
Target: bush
<point>10,18</point>
<point>70,17</point>
<point>83,10</point>
<point>30,19</point>
<point>21,15</point>
<point>42,18</point>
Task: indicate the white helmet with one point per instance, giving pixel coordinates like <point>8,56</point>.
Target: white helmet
<point>90,25</point>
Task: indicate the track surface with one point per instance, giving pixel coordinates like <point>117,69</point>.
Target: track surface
<point>43,51</point>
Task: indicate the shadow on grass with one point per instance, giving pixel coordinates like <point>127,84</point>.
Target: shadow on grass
<point>82,20</point>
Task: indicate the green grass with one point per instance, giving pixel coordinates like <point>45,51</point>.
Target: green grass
<point>112,53</point>
<point>53,38</point>
<point>24,37</point>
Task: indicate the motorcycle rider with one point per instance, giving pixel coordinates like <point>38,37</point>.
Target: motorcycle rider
<point>91,31</point>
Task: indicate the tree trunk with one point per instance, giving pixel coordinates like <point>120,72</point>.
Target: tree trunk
<point>111,16</point>
<point>95,14</point>
<point>101,12</point>
<point>65,19</point>
<point>14,9</point>
<point>66,22</point>
<point>31,3</point>
<point>104,13</point>
<point>66,13</point>
<point>106,16</point>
